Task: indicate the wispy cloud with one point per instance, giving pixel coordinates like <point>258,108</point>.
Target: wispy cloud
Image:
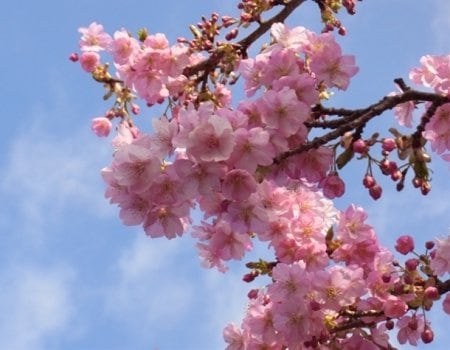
<point>441,25</point>
<point>35,305</point>
<point>46,174</point>
<point>148,291</point>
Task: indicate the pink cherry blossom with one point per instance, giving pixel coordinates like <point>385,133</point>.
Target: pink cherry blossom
<point>437,130</point>
<point>167,221</point>
<point>434,73</point>
<point>440,262</point>
<point>123,47</point>
<point>94,38</point>
<point>252,148</point>
<point>334,70</point>
<point>285,37</point>
<point>212,140</point>
<point>283,112</point>
<point>394,307</point>
<point>410,329</point>
<point>234,337</point>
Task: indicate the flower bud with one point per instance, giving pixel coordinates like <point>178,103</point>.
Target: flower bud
<point>388,145</point>
<point>427,335</point>
<point>360,146</point>
<point>432,293</point>
<point>411,264</point>
<point>429,245</point>
<point>404,244</point>
<point>375,192</point>
<point>369,181</point>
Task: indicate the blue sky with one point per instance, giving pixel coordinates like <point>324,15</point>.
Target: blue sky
<point>71,276</point>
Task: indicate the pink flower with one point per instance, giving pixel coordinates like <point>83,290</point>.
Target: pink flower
<point>281,63</point>
<point>437,131</point>
<point>228,243</point>
<point>283,112</point>
<point>101,126</point>
<point>410,329</point>
<point>94,38</point>
<point>290,280</point>
<point>89,61</point>
<point>234,337</point>
<point>252,148</point>
<point>440,261</point>
<point>238,185</point>
<point>333,69</point>
<point>135,166</point>
<point>304,86</point>
<point>212,140</point>
<point>123,47</point>
<point>253,71</point>
<point>394,307</point>
<point>404,244</point>
<point>285,37</point>
<point>434,73</point>
<point>167,221</point>
<point>312,165</point>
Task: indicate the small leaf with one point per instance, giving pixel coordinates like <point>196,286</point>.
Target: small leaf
<point>344,158</point>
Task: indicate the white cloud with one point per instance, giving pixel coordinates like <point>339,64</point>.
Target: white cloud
<point>148,290</point>
<point>45,175</point>
<point>35,306</point>
<point>161,288</point>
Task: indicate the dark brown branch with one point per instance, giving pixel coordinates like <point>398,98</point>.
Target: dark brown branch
<point>210,63</point>
<point>358,118</point>
<point>443,287</point>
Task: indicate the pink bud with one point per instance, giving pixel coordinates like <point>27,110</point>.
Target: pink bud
<point>249,277</point>
<point>404,244</point>
<point>375,192</point>
<point>89,61</point>
<point>359,146</point>
<point>427,335</point>
<point>432,293</point>
<point>411,264</point>
<point>73,57</point>
<point>386,277</point>
<point>389,324</point>
<point>253,294</point>
<point>101,126</point>
<point>369,181</point>
<point>429,245</point>
<point>332,186</point>
<point>135,109</point>
<point>388,145</point>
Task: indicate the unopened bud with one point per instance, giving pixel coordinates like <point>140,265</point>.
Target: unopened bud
<point>429,245</point>
<point>375,192</point>
<point>432,293</point>
<point>427,335</point>
<point>73,57</point>
<point>252,294</point>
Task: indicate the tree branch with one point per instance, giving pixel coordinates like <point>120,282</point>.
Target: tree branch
<point>358,118</point>
<point>210,63</point>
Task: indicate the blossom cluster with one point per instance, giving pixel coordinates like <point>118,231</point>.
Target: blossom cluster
<point>333,285</point>
<point>351,301</point>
